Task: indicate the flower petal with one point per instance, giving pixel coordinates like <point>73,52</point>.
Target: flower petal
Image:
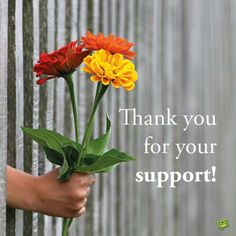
<point>111,43</point>
<point>41,81</point>
<point>105,81</point>
<point>109,68</point>
<point>95,78</point>
<point>60,62</point>
<point>115,83</point>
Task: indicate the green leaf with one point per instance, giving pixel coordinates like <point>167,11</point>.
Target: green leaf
<point>69,162</point>
<point>64,171</point>
<point>59,149</point>
<point>53,156</point>
<point>98,146</point>
<point>50,139</point>
<point>109,169</point>
<point>71,153</point>
<point>105,162</point>
<point>89,159</point>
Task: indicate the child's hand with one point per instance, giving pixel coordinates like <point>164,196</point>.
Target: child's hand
<point>46,194</point>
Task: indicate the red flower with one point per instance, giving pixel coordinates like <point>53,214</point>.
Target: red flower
<point>59,63</point>
<point>111,43</point>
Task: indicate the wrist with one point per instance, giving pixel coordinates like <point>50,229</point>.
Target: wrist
<point>31,201</point>
<point>21,190</point>
<point>36,202</point>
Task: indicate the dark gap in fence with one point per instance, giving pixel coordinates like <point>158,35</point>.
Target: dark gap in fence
<point>55,81</point>
<point>28,96</point>
<point>11,108</point>
<point>42,98</point>
<point>68,121</point>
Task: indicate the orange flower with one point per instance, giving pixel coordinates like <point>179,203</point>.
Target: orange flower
<point>110,43</point>
<point>59,63</point>
<point>111,68</point>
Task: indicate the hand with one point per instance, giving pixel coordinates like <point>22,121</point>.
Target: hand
<point>47,195</point>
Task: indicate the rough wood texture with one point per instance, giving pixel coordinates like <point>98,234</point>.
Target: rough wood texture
<point>28,96</point>
<point>186,61</point>
<point>3,112</point>
<point>11,105</point>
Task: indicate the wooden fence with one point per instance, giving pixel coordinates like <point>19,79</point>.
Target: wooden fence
<point>186,61</point>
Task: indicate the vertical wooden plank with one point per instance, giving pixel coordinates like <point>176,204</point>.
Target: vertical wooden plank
<point>68,115</point>
<point>157,93</point>
<point>74,36</point>
<point>168,73</point>
<point>201,101</point>
<point>28,96</point>
<point>105,178</point>
<point>130,187</point>
<point>90,90</point>
<point>95,189</point>
<point>113,142</point>
<point>11,103</point>
<point>102,194</point>
<point>50,47</point>
<point>3,112</point>
<point>181,96</point>
<point>60,83</point>
<point>55,105</point>
<point>11,69</point>
<point>82,102</point>
<point>143,105</point>
<point>100,177</point>
<point>139,41</point>
<point>48,225</point>
<point>42,98</point>
<point>42,89</point>
<point>205,17</point>
<point>35,111</point>
<point>220,76</point>
<point>19,102</point>
<point>135,149</point>
<point>121,202</point>
<point>106,17</point>
<point>147,107</point>
<point>152,75</point>
<point>231,86</point>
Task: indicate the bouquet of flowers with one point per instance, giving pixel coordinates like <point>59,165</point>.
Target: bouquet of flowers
<point>108,61</point>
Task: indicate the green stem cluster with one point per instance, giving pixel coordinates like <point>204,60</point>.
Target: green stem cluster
<point>101,89</point>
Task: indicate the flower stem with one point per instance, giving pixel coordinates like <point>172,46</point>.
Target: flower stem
<point>66,225</point>
<point>101,89</point>
<point>67,222</point>
<point>70,84</point>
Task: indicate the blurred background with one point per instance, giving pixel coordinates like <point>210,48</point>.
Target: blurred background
<point>186,60</point>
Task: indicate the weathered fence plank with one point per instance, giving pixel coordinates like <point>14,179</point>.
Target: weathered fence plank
<point>19,102</point>
<point>3,112</point>
<point>28,21</point>
<point>11,107</point>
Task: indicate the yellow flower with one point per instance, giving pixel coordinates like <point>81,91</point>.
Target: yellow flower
<point>110,68</point>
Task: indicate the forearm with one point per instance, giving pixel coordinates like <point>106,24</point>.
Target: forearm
<point>46,194</point>
<point>21,189</point>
